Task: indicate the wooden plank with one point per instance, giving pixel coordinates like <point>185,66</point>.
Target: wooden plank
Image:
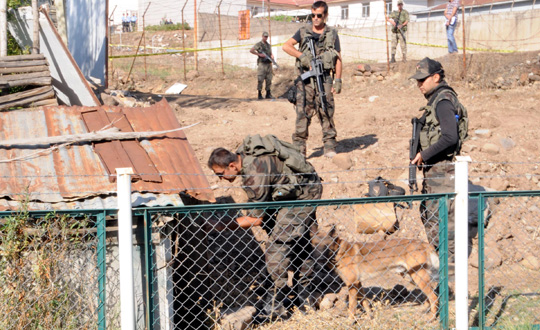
<point>21,76</point>
<point>5,64</point>
<point>27,100</point>
<point>23,94</point>
<point>37,68</point>
<point>45,103</point>
<point>29,57</point>
<point>44,81</point>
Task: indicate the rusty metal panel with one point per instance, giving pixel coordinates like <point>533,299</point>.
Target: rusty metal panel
<point>73,172</point>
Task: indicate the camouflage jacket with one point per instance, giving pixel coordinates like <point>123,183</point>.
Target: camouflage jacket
<point>404,17</point>
<point>266,179</point>
<point>263,47</point>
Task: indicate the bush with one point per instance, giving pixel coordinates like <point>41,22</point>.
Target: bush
<point>167,27</point>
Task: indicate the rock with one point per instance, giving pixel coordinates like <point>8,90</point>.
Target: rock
<point>490,148</point>
<point>328,301</point>
<point>467,148</point>
<point>367,73</point>
<point>373,98</point>
<point>507,143</point>
<point>108,100</point>
<point>530,262</point>
<point>343,161</point>
<point>483,132</point>
<point>380,78</point>
<point>523,79</point>
<point>534,77</point>
<point>238,320</point>
<point>499,185</point>
<point>492,257</point>
<point>364,67</point>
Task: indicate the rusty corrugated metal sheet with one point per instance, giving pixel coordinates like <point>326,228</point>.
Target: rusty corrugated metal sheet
<point>76,171</point>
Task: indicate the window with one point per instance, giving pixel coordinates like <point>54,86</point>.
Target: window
<point>365,9</point>
<point>345,12</point>
<point>389,7</point>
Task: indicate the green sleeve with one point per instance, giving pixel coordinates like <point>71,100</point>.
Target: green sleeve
<point>405,16</point>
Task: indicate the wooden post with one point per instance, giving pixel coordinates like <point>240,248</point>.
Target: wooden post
<point>184,40</point>
<point>108,50</point>
<point>195,38</point>
<point>144,41</point>
<point>35,33</point>
<point>220,37</point>
<point>464,52</point>
<point>386,30</point>
<point>269,26</point>
<point>61,20</point>
<point>3,28</point>
<point>138,46</point>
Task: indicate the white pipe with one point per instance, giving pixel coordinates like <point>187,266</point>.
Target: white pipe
<point>125,248</point>
<point>461,240</point>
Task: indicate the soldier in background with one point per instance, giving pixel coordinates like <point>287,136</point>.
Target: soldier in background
<point>399,20</point>
<point>264,65</point>
<point>328,49</point>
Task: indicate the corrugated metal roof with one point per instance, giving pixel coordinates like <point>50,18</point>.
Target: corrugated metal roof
<point>76,171</point>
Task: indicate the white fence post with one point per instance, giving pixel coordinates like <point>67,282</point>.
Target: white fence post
<point>125,248</point>
<point>461,240</point>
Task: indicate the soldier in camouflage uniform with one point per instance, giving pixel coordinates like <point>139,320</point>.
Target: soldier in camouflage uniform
<point>439,144</point>
<point>399,20</point>
<point>264,65</point>
<point>328,49</point>
<point>266,177</point>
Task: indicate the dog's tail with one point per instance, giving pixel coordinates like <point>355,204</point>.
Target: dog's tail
<point>434,265</point>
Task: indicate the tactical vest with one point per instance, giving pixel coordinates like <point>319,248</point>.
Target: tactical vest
<point>295,164</point>
<point>431,131</point>
<point>324,48</point>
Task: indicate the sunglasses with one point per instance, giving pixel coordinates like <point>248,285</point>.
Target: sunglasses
<point>318,15</point>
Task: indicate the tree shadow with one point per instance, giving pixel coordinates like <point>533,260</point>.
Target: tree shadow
<point>348,145</point>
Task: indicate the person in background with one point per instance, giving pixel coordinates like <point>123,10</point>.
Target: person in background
<point>451,21</point>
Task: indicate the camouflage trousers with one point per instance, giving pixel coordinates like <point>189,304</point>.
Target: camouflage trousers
<point>264,74</point>
<point>438,178</point>
<point>398,38</point>
<point>312,106</point>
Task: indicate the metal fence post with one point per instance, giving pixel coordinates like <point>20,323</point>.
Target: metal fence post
<point>101,263</point>
<point>461,241</point>
<point>125,248</point>
<point>443,261</point>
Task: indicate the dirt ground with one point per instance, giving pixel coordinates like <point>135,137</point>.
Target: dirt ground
<point>372,119</point>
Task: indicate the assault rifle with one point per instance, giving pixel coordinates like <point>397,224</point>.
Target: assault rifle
<point>413,150</point>
<point>317,71</point>
<point>270,59</point>
<point>397,28</point>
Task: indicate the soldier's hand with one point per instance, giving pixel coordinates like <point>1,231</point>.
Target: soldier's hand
<point>337,86</point>
<point>305,60</point>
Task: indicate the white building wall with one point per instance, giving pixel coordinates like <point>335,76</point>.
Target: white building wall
<point>86,26</point>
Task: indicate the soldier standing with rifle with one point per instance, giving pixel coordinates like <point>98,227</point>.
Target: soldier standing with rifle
<point>437,137</point>
<point>399,20</point>
<point>263,51</point>
<point>318,60</point>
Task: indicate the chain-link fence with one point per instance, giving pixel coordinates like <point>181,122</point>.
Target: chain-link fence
<point>306,256</point>
<point>52,270</point>
<point>504,268</point>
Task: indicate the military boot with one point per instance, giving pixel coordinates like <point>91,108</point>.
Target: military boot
<point>260,95</point>
<point>393,59</point>
<point>269,95</point>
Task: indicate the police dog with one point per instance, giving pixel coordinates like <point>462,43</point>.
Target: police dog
<point>357,262</point>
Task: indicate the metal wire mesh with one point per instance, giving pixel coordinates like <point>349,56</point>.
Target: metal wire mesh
<point>509,282</point>
<point>206,277</point>
<point>48,272</point>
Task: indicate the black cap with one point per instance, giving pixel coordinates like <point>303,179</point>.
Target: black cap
<point>425,68</point>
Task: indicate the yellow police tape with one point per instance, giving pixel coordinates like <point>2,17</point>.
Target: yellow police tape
<point>192,50</point>
<point>179,50</point>
<point>436,46</point>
